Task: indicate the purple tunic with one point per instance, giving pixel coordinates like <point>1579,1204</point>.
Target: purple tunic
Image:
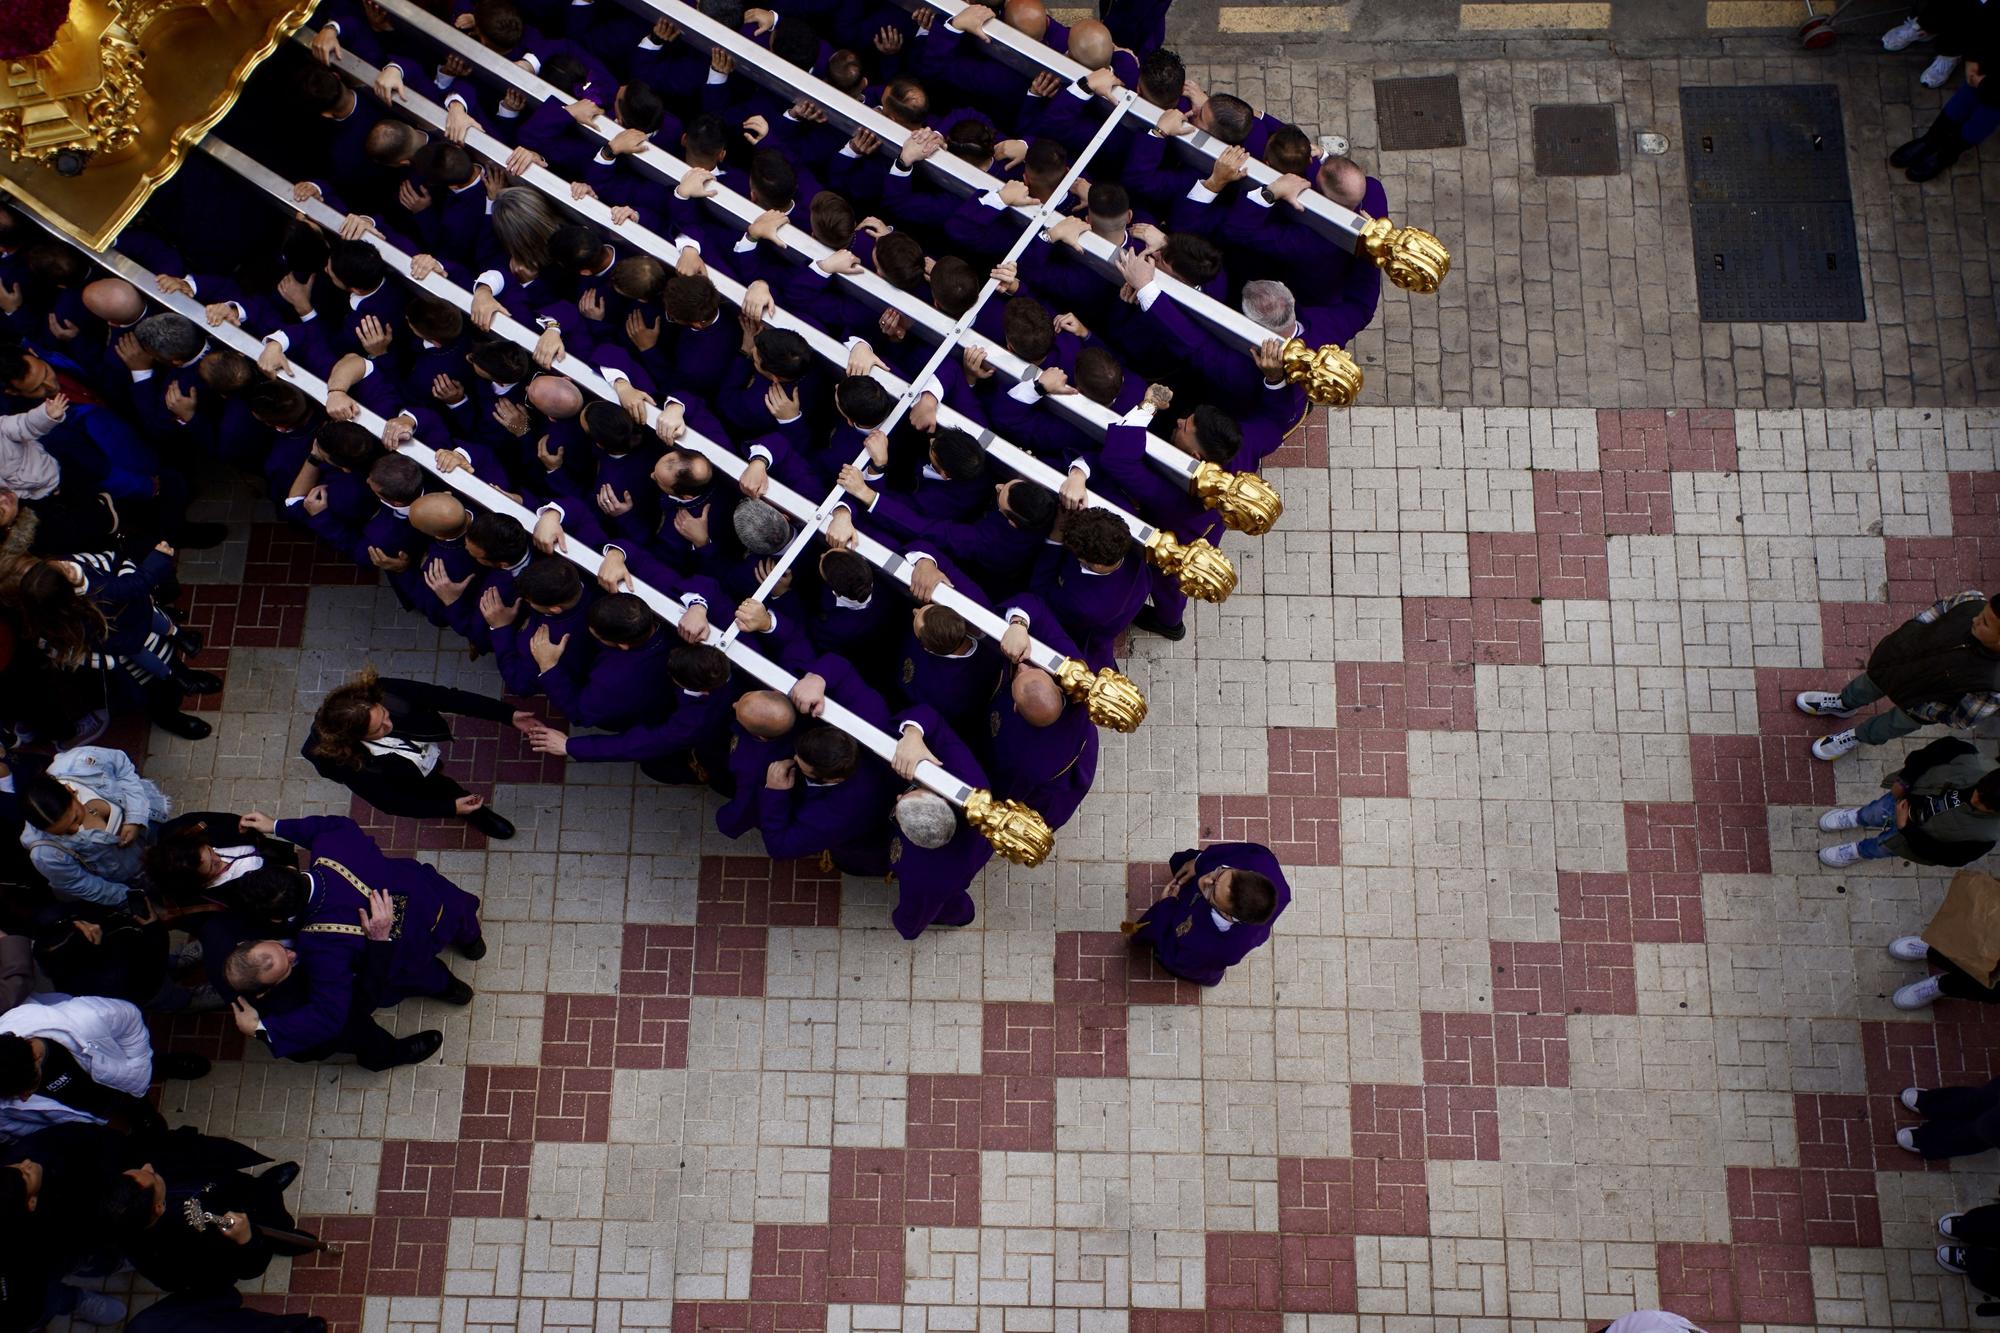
<point>1183,929</point>
<point>932,881</point>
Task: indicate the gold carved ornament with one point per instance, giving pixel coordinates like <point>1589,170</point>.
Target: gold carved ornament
<point>1330,377</point>
<point>1246,501</point>
<point>1203,571</point>
<point>1413,259</point>
<point>1113,700</point>
<point>1016,832</point>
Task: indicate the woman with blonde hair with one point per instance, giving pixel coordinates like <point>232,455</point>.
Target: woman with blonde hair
<point>383,738</point>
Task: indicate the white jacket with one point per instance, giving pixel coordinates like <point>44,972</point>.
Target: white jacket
<point>108,1038</point>
<point>25,466</point>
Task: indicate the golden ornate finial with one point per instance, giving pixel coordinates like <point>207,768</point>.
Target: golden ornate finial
<point>1203,571</point>
<point>1016,832</point>
<point>1414,259</point>
<point>1248,503</point>
<point>1114,701</point>
<point>1330,375</point>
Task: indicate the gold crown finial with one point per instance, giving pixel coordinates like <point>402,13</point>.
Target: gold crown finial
<point>1016,832</point>
<point>1203,571</point>
<point>1248,503</point>
<point>1113,700</point>
<point>1414,259</point>
<point>1330,375</point>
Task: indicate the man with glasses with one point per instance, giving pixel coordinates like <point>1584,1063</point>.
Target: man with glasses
<point>1218,906</point>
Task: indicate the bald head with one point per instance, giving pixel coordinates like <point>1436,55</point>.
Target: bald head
<point>114,300</point>
<point>438,515</point>
<point>765,713</point>
<point>1342,181</point>
<point>1027,16</point>
<point>925,817</point>
<point>1090,44</point>
<point>555,397</point>
<point>1037,697</point>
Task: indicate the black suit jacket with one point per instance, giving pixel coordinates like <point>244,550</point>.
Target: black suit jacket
<point>417,712</point>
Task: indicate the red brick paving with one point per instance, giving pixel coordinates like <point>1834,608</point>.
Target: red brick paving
<point>757,891</point>
<point>454,1179</point>
<point>1352,1196</point>
<point>1405,696</point>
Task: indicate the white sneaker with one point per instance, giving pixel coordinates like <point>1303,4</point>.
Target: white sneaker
<point>1918,994</point>
<point>1939,71</point>
<point>1834,821</point>
<point>1840,854</point>
<point>1903,35</point>
<point>99,1309</point>
<point>1951,1258</point>
<point>1909,1096</point>
<point>1944,1225</point>
<point>1836,745</point>
<point>1909,948</point>
<point>1906,1139</point>
<point>1822,703</point>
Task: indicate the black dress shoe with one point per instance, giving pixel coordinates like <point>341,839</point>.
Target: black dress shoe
<point>177,1064</point>
<point>190,641</point>
<point>281,1176</point>
<point>201,536</point>
<point>471,951</point>
<point>417,1049</point>
<point>491,823</point>
<point>191,681</point>
<point>1932,163</point>
<point>458,992</point>
<point>1909,152</point>
<point>1149,620</point>
<point>185,725</point>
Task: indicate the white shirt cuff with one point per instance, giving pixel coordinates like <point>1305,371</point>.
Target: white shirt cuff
<point>1147,295</point>
<point>493,280</point>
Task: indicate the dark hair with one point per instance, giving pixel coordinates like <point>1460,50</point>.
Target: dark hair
<point>609,426</point>
<point>396,479</point>
<point>692,300</point>
<point>226,370</point>
<point>450,165</point>
<point>500,537</point>
<point>392,141</point>
<point>55,264</point>
<point>501,362</point>
<point>1029,329</point>
<point>173,864</point>
<point>1108,199</point>
<point>1031,508</point>
<point>1162,76</point>
<point>17,1066</point>
<point>44,800</point>
<point>271,400</point>
<point>639,278</point>
<point>270,895</point>
<point>1288,151</point>
<point>833,219</point>
<point>1194,259</point>
<point>970,139</point>
<point>783,353</point>
<point>565,71</point>
<point>698,666</point>
<point>1046,161</point>
<point>943,630</point>
<point>319,88</point>
<point>843,71</point>
<point>13,363</point>
<point>574,247</point>
<point>905,102</point>
<point>1230,118</point>
<point>830,752</point>
<point>1217,437</point>
<point>772,177</point>
<point>847,575</point>
<point>705,137</point>
<point>341,723</point>
<point>346,444</point>
<point>796,42</point>
<point>125,1207</point>
<point>499,23</point>
<point>432,319</point>
<point>862,401</point>
<point>69,623</point>
<point>958,455</point>
<point>1252,896</point>
<point>729,13</point>
<point>548,580</point>
<point>1099,377</point>
<point>357,265</point>
<point>640,107</point>
<point>954,285</point>
<point>1096,537</point>
<point>900,259</point>
<point>621,618</point>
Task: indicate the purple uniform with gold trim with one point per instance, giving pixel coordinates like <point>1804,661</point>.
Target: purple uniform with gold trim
<point>932,881</point>
<point>1183,929</point>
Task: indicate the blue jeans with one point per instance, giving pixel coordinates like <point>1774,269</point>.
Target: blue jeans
<point>1974,118</point>
<point>1878,813</point>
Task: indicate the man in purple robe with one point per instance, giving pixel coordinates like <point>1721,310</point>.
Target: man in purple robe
<point>934,855</point>
<point>1043,745</point>
<point>1218,906</point>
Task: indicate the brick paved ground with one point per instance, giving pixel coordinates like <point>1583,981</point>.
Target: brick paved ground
<point>1565,1019</point>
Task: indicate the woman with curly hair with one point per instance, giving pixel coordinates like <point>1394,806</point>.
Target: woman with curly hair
<point>383,738</point>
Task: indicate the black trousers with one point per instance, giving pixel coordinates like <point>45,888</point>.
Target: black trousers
<point>1958,1121</point>
<point>1958,984</point>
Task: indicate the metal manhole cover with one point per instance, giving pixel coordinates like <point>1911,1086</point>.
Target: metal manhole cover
<point>1749,145</point>
<point>1419,113</point>
<point>1777,263</point>
<point>1576,141</point>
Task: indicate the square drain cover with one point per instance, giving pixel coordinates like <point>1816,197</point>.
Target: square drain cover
<point>1758,145</point>
<point>1777,263</point>
<point>1419,113</point>
<point>1576,141</point>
